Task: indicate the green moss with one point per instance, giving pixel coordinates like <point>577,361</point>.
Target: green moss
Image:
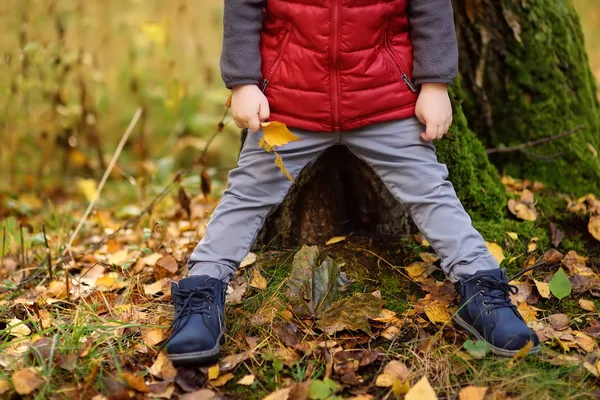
<point>543,86</point>
<point>475,180</point>
<point>393,291</point>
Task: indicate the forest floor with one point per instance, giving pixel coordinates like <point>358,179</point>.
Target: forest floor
<point>92,324</point>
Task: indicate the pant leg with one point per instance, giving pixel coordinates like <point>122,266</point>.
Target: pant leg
<point>409,168</point>
<point>255,189</point>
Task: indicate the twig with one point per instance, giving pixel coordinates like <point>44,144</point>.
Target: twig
<point>531,143</point>
<point>3,251</point>
<point>22,247</point>
<point>92,204</point>
<point>220,127</point>
<point>48,256</point>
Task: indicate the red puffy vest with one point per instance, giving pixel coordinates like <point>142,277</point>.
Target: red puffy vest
<point>337,65</point>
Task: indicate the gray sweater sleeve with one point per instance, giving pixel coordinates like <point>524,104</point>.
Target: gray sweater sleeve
<point>434,41</point>
<point>240,56</point>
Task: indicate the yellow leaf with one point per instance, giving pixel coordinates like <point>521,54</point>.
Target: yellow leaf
<point>587,305</point>
<point>4,386</point>
<point>521,354</point>
<point>386,316</point>
<point>213,372</point>
<point>496,251</point>
<point>248,260</point>
<point>247,380</point>
<point>532,246</point>
<point>30,200</point>
<point>415,269</point>
<point>587,343</point>
<point>472,393</point>
<point>222,380</point>
<point>529,313</point>
<point>277,134</point>
<point>335,239</point>
<point>594,226</point>
<point>391,332</point>
<point>543,288</point>
<point>87,187</point>
<point>110,281</point>
<point>154,32</point>
<point>119,257</point>
<point>17,328</point>
<point>437,311</point>
<point>281,166</point>
<point>399,388</point>
<point>384,380</point>
<point>136,382</point>
<point>513,236</point>
<point>152,336</point>
<point>257,280</point>
<point>162,367</point>
<point>26,381</point>
<point>421,391</point>
<point>57,289</point>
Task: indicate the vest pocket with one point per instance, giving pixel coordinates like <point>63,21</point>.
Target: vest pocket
<point>396,60</point>
<point>280,51</point>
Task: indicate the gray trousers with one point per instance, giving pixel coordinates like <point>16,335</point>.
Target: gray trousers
<point>406,164</point>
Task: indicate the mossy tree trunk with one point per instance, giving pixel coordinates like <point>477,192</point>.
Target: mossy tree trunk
<point>524,75</point>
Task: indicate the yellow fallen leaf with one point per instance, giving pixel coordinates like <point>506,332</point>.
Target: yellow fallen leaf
<point>587,343</point>
<point>421,391</point>
<point>26,381</point>
<point>110,281</point>
<point>221,380</point>
<point>391,332</point>
<point>400,388</point>
<point>415,269</point>
<point>587,305</point>
<point>384,380</point>
<point>4,386</point>
<point>496,251</point>
<point>247,380</point>
<point>213,372</point>
<point>136,382</point>
<point>162,367</point>
<point>386,316</point>
<point>437,311</point>
<point>543,288</point>
<point>594,226</point>
<point>151,259</point>
<point>257,280</point>
<point>57,289</point>
<point>277,134</point>
<point>281,166</point>
<point>513,236</point>
<point>522,211</point>
<point>248,260</point>
<point>152,336</point>
<point>429,258</point>
<point>529,313</point>
<point>88,188</point>
<point>17,328</point>
<point>532,245</point>
<point>520,354</point>
<point>119,257</point>
<point>472,393</point>
<point>30,200</point>
<point>335,239</point>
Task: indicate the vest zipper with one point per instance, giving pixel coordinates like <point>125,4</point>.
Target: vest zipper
<point>335,73</point>
<point>401,69</point>
<point>275,64</point>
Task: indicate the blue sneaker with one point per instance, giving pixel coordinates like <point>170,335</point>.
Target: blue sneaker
<point>487,312</point>
<point>199,323</point>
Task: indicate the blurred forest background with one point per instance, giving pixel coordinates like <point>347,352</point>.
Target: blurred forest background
<point>73,72</point>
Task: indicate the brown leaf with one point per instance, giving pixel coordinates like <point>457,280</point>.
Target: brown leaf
<point>556,234</point>
<point>472,393</point>
<point>162,367</point>
<point>351,313</point>
<point>236,291</point>
<point>594,226</point>
<point>587,305</point>
<point>587,343</point>
<point>152,336</point>
<point>368,358</point>
<point>165,267</point>
<point>161,389</point>
<point>136,382</point>
<point>4,386</point>
<point>391,332</point>
<point>116,390</point>
<point>230,362</point>
<point>559,321</point>
<point>257,280</point>
<point>189,379</point>
<point>184,201</point>
<point>26,381</point>
<point>203,394</point>
<point>522,211</point>
<point>552,257</point>
<point>205,183</point>
<point>281,394</point>
<point>67,362</point>
<point>287,333</point>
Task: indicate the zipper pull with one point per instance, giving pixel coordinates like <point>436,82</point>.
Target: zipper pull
<point>409,83</point>
<point>264,85</point>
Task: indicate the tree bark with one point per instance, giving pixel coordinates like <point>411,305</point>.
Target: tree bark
<point>523,75</point>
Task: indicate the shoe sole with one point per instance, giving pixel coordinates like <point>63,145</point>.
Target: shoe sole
<point>496,350</point>
<point>197,358</point>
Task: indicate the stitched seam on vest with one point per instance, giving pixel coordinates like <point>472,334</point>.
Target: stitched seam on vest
<point>377,114</point>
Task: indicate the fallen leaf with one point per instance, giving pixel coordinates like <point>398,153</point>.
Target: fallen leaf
<point>559,321</point>
<point>248,260</point>
<point>386,316</point>
<point>543,288</point>
<point>152,336</point>
<point>135,382</point>
<point>111,281</point>
<point>556,234</point>
<point>335,239</point>
<point>202,394</point>
<point>213,372</point>
<point>421,391</point>
<point>4,386</point>
<point>162,367</point>
<point>235,294</point>
<point>477,349</point>
<point>513,236</point>
<point>277,134</point>
<point>594,226</point>
<point>520,354</point>
<point>437,311</point>
<point>472,393</point>
<point>587,343</point>
<point>391,332</point>
<point>522,211</point>
<point>231,361</point>
<point>17,328</point>
<point>429,258</point>
<point>281,394</point>
<point>496,251</point>
<point>88,188</point>
<point>587,305</point>
<point>400,387</point>
<point>532,245</point>
<point>552,257</point>
<point>247,380</point>
<point>529,313</point>
<point>352,313</point>
<point>560,286</point>
<point>221,380</point>
<point>257,280</point>
<point>26,381</point>
<point>58,289</point>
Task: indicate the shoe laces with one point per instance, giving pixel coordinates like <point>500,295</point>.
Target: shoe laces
<point>191,301</point>
<point>498,293</point>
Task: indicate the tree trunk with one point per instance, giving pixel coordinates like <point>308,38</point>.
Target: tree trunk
<point>524,75</point>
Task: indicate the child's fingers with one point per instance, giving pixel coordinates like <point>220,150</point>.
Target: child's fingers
<point>254,123</point>
<point>431,131</point>
<point>263,110</point>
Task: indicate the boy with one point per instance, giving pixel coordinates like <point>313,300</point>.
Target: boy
<point>367,74</point>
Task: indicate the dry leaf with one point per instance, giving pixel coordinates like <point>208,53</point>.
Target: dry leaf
<point>26,381</point>
<point>587,305</point>
<point>496,251</point>
<point>248,260</point>
<point>437,311</point>
<point>281,165</point>
<point>559,321</point>
<point>529,313</point>
<point>135,382</point>
<point>162,367</point>
<point>594,226</point>
<point>58,289</point>
<point>277,134</point>
<point>472,393</point>
<point>520,354</point>
<point>335,239</point>
<point>221,380</point>
<point>532,245</point>
<point>202,394</point>
<point>17,328</point>
<point>391,332</point>
<point>88,188</point>
<point>543,288</point>
<point>421,391</point>
<point>152,336</point>
<point>213,372</point>
<point>522,211</point>
<point>587,343</point>
<point>4,386</point>
<point>247,380</point>
<point>281,394</point>
<point>386,316</point>
<point>513,236</point>
<point>257,280</point>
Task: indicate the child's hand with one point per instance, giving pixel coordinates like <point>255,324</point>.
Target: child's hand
<point>434,110</point>
<point>249,107</point>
